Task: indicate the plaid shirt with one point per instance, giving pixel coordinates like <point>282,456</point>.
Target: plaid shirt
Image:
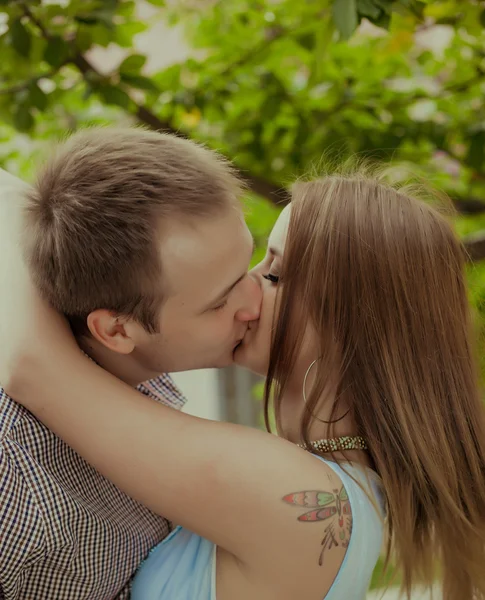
<point>66,533</point>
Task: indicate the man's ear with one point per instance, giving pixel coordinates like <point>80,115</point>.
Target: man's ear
<point>115,332</point>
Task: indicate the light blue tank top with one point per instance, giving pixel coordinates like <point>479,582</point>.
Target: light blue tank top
<point>183,566</point>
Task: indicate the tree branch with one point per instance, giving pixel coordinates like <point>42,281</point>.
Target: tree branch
<point>23,86</point>
<point>272,34</point>
<point>28,13</point>
<point>258,185</point>
<point>474,244</point>
<point>142,112</point>
<point>469,206</point>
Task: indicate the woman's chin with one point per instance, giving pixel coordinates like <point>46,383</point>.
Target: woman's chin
<point>245,357</point>
<point>241,355</point>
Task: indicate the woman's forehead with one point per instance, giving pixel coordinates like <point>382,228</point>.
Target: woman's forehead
<point>277,239</point>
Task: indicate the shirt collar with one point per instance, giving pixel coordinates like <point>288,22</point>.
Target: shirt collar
<point>164,390</point>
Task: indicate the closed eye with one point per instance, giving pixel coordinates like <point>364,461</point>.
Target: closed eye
<point>220,306</point>
<point>273,278</point>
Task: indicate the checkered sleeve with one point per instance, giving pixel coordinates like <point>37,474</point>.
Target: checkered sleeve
<point>22,540</point>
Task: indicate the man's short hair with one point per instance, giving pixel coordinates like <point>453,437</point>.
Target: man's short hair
<point>96,211</point>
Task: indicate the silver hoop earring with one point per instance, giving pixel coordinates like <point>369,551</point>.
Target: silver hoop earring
<point>305,378</point>
<point>305,400</point>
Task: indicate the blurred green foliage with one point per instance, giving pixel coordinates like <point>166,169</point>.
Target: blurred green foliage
<point>273,84</point>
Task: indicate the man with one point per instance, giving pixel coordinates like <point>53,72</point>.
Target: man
<point>139,239</point>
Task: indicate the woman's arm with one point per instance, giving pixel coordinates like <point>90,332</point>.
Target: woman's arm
<point>222,481</point>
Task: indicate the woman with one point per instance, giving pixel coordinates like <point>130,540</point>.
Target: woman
<point>370,348</point>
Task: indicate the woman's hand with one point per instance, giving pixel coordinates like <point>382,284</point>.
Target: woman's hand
<point>31,333</point>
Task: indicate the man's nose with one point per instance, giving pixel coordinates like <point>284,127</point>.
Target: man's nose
<point>253,298</point>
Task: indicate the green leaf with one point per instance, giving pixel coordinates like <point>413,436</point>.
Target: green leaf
<point>74,7</point>
<point>367,8</point>
<point>56,51</point>
<point>406,7</point>
<point>157,2</point>
<point>476,150</point>
<point>124,33</point>
<point>37,97</point>
<point>126,9</point>
<point>22,118</point>
<point>482,18</point>
<point>88,92</point>
<point>384,21</point>
<point>140,82</point>
<point>114,95</point>
<point>53,11</point>
<point>387,4</point>
<point>345,17</point>
<point>103,16</point>
<point>306,40</point>
<point>84,39</point>
<point>86,20</point>
<point>101,35</point>
<point>21,40</point>
<point>132,64</point>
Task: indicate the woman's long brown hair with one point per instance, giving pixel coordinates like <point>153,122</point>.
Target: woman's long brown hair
<point>380,274</point>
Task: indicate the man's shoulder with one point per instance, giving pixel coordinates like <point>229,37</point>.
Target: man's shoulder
<point>17,496</point>
<point>11,413</point>
<point>19,430</point>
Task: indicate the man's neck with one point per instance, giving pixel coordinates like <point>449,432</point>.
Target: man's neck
<point>122,366</point>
